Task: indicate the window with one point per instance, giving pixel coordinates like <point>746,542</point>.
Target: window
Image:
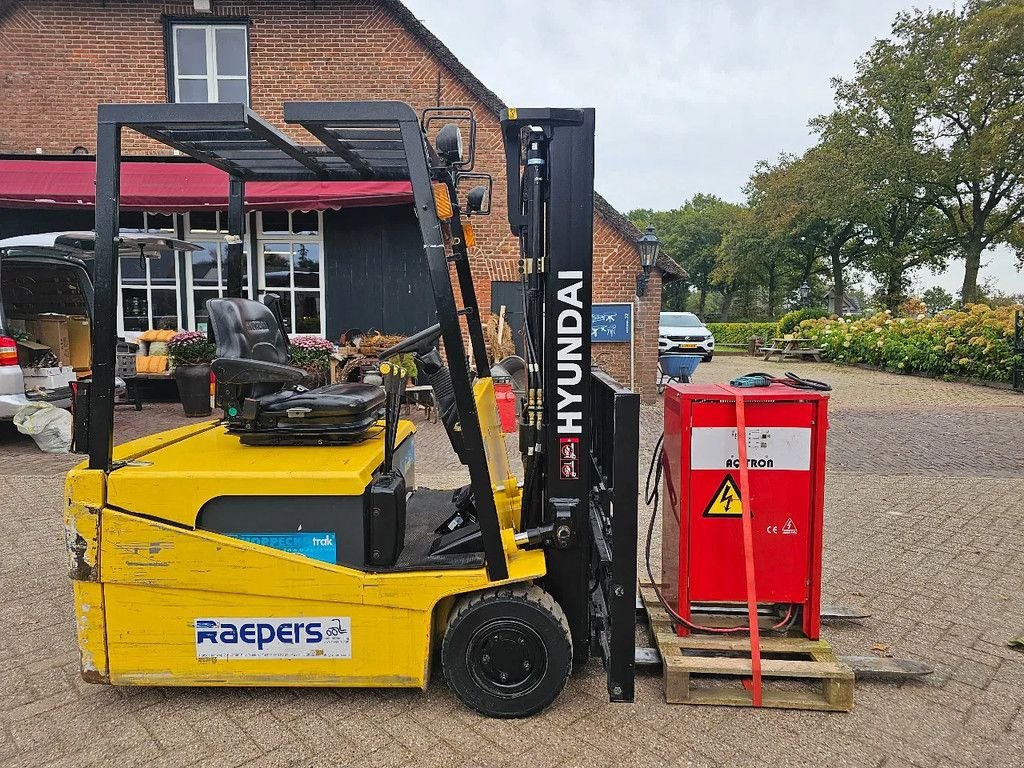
<point>209,63</point>
<point>291,267</point>
<point>208,268</point>
<point>148,295</point>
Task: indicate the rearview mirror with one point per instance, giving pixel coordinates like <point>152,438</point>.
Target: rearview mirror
<point>475,199</point>
<point>476,189</point>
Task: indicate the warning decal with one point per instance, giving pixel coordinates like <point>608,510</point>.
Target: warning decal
<point>726,501</point>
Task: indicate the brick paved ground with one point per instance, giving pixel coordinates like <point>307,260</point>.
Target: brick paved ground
<point>923,529</point>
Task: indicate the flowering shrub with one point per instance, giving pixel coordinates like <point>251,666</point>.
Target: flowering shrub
<point>311,353</point>
<point>190,348</point>
<point>912,307</point>
<point>974,343</point>
<point>790,321</point>
<point>740,333</point>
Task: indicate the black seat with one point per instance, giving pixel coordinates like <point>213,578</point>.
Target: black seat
<point>263,397</point>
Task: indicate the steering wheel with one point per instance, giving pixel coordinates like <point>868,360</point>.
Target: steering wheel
<point>420,342</point>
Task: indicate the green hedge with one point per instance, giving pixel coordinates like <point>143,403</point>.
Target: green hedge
<point>740,333</point>
<point>976,343</point>
<point>790,321</point>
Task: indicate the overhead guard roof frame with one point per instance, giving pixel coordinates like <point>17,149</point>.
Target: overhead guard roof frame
<point>356,144</point>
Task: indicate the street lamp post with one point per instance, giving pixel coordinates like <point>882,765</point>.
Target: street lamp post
<point>805,292</point>
<point>649,246</point>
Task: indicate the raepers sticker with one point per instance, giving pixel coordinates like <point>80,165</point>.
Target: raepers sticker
<point>307,637</point>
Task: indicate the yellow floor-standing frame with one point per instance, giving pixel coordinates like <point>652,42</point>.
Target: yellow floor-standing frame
<point>144,575</point>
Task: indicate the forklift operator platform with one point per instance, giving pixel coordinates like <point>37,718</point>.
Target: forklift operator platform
<point>287,543</point>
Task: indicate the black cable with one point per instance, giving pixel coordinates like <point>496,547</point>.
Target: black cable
<point>803,383</point>
<point>652,495</point>
<point>791,380</point>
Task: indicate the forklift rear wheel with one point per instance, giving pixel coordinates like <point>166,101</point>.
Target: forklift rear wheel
<point>507,652</point>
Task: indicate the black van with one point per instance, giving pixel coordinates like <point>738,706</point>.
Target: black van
<point>50,274</point>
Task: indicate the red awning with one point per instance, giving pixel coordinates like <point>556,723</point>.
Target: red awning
<point>178,186</point>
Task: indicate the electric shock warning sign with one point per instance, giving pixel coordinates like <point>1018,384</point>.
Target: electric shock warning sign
<point>274,638</point>
<point>726,501</point>
<point>767,448</point>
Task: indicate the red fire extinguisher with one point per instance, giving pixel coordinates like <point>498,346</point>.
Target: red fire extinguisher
<point>506,404</point>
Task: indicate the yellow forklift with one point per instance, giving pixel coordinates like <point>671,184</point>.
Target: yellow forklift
<point>286,543</point>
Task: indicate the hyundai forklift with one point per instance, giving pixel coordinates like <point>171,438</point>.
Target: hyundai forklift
<point>287,543</point>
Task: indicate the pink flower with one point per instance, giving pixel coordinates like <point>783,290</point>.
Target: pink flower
<point>312,343</point>
<point>185,338</point>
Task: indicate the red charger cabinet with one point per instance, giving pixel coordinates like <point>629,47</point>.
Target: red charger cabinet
<point>702,536</point>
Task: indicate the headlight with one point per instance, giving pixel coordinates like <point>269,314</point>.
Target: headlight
<point>449,143</point>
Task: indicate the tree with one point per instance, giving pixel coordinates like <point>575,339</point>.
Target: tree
<point>810,204</point>
<point>692,234</point>
<point>957,77</point>
<point>873,143</point>
<point>752,265</point>
<point>936,299</point>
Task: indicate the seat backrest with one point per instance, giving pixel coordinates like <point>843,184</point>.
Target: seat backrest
<point>247,330</point>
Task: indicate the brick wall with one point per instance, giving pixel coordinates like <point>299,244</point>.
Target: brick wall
<point>60,58</point>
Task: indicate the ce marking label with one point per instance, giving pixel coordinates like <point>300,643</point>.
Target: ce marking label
<point>789,529</point>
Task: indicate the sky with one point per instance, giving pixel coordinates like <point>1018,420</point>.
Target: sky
<point>690,94</point>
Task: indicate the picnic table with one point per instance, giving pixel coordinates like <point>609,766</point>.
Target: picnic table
<point>785,349</point>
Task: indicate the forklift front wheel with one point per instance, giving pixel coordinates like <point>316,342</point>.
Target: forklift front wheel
<point>507,652</point>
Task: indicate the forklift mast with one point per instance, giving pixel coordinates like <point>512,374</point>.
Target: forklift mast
<point>579,432</point>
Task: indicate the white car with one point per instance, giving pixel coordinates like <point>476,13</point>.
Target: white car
<point>49,273</point>
<point>684,333</point>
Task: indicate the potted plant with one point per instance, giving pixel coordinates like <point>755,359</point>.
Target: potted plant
<point>313,355</point>
<point>408,362</point>
<point>191,354</point>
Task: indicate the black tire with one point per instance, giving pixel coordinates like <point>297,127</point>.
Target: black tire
<point>507,652</point>
<point>708,357</point>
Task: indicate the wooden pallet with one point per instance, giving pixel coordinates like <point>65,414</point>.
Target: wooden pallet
<point>796,673</point>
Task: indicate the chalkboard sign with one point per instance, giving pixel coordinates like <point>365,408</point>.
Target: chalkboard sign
<point>611,322</point>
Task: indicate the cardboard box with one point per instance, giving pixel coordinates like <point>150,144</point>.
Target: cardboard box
<point>80,340</point>
<point>30,353</point>
<point>47,378</point>
<point>52,330</point>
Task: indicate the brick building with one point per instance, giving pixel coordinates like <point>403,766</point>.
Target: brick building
<point>334,261</point>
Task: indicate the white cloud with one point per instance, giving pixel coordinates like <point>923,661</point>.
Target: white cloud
<point>689,94</point>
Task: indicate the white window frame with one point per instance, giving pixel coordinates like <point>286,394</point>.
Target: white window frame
<point>211,77</point>
<point>148,286</point>
<point>292,240</point>
<point>213,236</point>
